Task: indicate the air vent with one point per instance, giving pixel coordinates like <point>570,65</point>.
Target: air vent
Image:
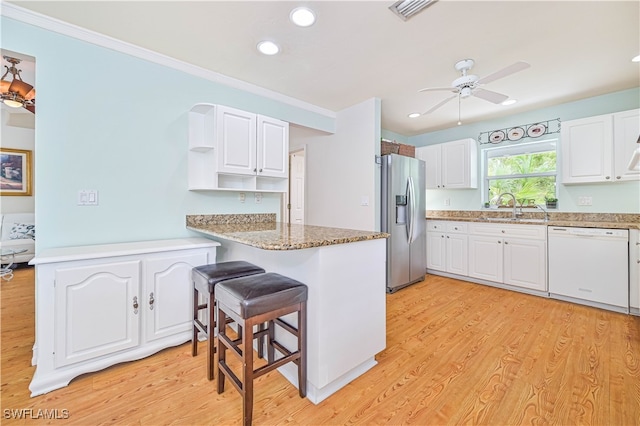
<point>405,9</point>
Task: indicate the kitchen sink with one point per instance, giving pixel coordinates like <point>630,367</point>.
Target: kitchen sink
<point>513,220</point>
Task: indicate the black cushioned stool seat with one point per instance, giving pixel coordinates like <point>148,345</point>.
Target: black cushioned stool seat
<point>204,279</point>
<point>251,301</point>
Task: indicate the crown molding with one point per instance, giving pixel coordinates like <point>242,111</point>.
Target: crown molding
<point>27,16</point>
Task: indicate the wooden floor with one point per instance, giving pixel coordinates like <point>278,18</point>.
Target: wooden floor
<point>457,353</point>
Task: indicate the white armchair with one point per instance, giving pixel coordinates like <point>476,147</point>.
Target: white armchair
<point>18,231</point>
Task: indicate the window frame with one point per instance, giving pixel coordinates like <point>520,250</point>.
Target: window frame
<point>517,149</point>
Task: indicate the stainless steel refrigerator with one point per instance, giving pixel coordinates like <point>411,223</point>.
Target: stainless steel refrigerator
<point>403,216</point>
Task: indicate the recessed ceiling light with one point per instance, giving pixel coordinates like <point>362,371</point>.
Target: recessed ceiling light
<point>414,115</point>
<point>636,59</point>
<point>509,102</point>
<point>268,47</point>
<point>302,16</point>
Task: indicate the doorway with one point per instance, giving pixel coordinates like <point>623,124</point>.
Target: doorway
<point>295,205</point>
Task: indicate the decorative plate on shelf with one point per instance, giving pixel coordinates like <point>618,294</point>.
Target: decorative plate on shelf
<point>536,130</point>
<point>496,137</point>
<point>515,134</point>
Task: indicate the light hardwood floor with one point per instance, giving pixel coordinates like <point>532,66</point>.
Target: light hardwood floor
<point>457,353</point>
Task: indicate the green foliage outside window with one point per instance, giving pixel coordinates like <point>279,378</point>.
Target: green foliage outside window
<point>531,177</point>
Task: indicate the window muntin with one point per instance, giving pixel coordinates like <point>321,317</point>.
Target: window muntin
<point>527,170</point>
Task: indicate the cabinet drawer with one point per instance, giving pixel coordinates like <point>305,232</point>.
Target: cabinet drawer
<point>457,227</point>
<point>536,232</point>
<point>436,225</point>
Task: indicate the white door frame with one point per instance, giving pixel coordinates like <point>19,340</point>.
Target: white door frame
<point>286,199</point>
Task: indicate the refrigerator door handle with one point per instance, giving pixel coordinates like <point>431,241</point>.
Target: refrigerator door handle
<point>412,208</point>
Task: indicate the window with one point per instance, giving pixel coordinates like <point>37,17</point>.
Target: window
<point>527,170</point>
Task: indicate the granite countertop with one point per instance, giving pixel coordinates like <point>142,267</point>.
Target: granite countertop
<point>582,220</point>
<point>262,231</point>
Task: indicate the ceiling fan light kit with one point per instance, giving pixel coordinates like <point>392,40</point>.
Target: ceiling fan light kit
<point>15,92</point>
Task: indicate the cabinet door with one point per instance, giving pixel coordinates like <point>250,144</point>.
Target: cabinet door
<point>95,311</point>
<point>485,258</point>
<point>236,141</point>
<point>168,298</point>
<point>432,156</point>
<point>587,150</point>
<point>525,263</point>
<point>436,251</point>
<point>626,131</point>
<point>273,147</point>
<point>455,165</point>
<point>457,257</point>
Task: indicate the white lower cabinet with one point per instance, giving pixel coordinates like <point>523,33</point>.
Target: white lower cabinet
<point>100,305</point>
<point>94,310</point>
<point>509,254</point>
<point>447,247</point>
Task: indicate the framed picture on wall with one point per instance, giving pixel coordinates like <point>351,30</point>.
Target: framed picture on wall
<point>15,172</point>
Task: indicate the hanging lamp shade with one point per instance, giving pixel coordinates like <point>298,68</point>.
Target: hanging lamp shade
<point>15,92</point>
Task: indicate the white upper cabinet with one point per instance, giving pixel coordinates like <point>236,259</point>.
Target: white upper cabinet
<point>451,165</point>
<point>230,149</point>
<point>273,147</point>
<point>598,149</point>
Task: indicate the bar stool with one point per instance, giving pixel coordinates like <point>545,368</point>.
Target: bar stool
<point>204,279</point>
<point>252,301</point>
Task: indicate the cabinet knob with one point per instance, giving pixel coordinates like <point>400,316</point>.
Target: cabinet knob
<point>608,177</point>
<point>135,305</point>
<point>260,170</point>
<point>617,177</point>
<point>506,242</point>
<point>151,300</point>
<point>499,242</point>
<point>254,170</point>
<point>447,236</point>
<point>502,231</point>
<point>441,236</point>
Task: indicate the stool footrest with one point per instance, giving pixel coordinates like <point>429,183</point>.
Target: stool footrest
<point>200,326</point>
<point>293,357</point>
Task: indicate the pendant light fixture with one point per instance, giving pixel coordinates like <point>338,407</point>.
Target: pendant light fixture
<point>15,92</point>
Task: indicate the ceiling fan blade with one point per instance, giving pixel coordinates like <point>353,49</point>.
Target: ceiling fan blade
<point>436,89</point>
<point>439,105</point>
<point>513,68</point>
<point>490,96</point>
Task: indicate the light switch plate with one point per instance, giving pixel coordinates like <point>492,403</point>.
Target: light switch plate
<point>88,197</point>
<point>258,197</point>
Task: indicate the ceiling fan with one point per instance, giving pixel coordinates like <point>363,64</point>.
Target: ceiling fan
<point>470,85</point>
<point>16,93</point>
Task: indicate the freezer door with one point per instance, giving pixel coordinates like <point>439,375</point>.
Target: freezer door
<point>417,249</point>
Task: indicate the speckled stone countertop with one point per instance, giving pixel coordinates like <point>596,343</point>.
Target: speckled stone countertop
<point>262,231</point>
<point>583,220</point>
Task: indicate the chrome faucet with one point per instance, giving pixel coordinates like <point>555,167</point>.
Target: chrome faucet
<point>546,213</point>
<point>515,203</point>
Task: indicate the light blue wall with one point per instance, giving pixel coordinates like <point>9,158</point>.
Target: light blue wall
<point>118,124</point>
<point>392,136</point>
<point>618,197</point>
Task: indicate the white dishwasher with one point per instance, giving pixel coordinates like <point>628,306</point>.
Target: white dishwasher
<point>590,264</point>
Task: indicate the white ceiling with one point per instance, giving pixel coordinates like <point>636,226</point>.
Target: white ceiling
<point>360,49</point>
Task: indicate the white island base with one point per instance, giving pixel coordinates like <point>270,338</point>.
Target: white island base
<point>346,316</point>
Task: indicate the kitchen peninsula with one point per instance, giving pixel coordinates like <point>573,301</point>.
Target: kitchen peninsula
<point>345,272</point>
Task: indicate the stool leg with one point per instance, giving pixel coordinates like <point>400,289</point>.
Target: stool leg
<point>261,341</point>
<point>210,332</point>
<point>194,339</point>
<point>222,349</point>
<point>302,347</point>
<point>271,335</point>
<point>247,373</point>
